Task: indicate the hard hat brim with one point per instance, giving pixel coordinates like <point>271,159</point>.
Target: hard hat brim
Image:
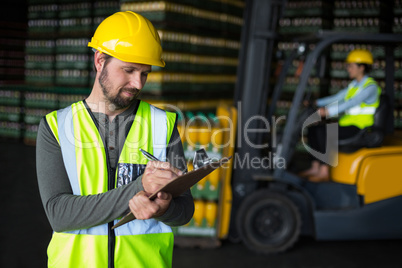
<point>130,58</point>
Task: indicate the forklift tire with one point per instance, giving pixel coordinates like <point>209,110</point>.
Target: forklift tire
<point>268,222</point>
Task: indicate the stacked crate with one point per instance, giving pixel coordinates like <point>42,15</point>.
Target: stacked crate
<point>200,39</point>
<point>39,65</point>
<point>201,44</point>
<point>10,112</point>
<point>40,45</point>
<point>12,55</point>
<point>58,61</point>
<point>12,41</point>
<point>72,54</point>
<point>304,17</point>
<point>358,16</point>
<point>397,28</point>
<point>202,130</point>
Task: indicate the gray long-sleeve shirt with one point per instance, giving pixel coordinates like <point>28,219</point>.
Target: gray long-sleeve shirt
<point>336,104</point>
<point>66,211</point>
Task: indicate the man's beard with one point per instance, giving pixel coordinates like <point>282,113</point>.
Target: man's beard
<point>118,100</point>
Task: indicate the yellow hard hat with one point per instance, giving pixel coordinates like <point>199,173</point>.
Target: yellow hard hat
<point>129,37</point>
<point>360,56</point>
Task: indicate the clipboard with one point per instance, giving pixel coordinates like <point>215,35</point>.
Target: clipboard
<point>180,184</point>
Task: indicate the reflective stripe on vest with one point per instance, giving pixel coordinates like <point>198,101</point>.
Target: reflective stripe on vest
<point>84,157</point>
<point>361,115</point>
<point>361,110</point>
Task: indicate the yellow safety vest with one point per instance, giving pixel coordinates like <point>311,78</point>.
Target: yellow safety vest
<point>361,115</point>
<point>139,243</point>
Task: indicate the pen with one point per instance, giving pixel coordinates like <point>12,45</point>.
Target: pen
<point>149,156</point>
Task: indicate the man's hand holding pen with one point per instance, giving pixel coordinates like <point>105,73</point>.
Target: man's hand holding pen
<point>156,175</point>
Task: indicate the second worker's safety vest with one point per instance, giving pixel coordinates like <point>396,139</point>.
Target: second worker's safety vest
<point>139,243</point>
<point>361,115</point>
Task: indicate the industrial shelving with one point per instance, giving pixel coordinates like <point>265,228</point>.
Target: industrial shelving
<point>58,67</point>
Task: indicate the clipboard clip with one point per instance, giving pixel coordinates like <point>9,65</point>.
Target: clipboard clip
<point>201,159</point>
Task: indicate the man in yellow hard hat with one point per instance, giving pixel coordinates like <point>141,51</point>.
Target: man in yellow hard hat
<point>356,104</point>
<point>90,170</point>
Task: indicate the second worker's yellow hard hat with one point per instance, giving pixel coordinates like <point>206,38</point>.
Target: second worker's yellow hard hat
<point>361,56</point>
<point>129,37</point>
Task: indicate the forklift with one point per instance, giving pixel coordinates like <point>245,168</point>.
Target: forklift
<point>272,206</point>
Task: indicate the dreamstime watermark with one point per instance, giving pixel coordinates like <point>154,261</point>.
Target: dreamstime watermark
<point>269,161</point>
<point>220,133</point>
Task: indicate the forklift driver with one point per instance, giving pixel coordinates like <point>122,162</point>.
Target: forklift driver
<point>355,105</point>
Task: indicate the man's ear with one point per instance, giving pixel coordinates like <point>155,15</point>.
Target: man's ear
<point>98,61</point>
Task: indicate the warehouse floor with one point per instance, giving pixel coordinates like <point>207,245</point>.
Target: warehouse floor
<point>25,232</point>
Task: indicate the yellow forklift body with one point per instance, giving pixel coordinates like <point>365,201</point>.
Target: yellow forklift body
<point>373,170</point>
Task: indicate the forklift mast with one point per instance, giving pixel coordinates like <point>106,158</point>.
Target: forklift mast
<point>261,18</point>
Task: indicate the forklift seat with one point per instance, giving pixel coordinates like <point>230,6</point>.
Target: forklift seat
<point>372,136</point>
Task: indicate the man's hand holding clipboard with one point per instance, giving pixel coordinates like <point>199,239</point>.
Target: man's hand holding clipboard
<point>203,166</point>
